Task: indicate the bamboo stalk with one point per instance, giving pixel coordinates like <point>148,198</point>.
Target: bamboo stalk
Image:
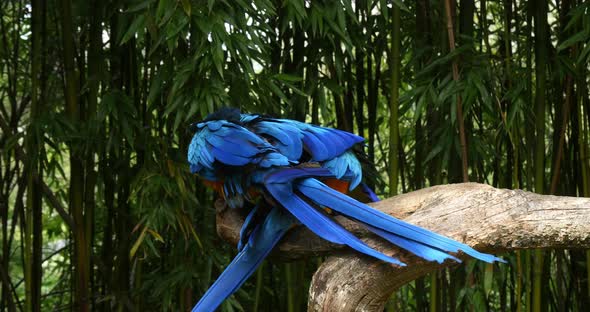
<point>394,138</point>
<point>539,159</point>
<point>259,285</point>
<point>564,122</point>
<point>518,281</point>
<point>33,215</point>
<point>290,287</point>
<point>90,181</point>
<point>460,120</point>
<point>433,306</point>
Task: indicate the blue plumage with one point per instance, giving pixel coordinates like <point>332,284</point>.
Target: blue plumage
<point>231,145</point>
<point>323,195</point>
<point>286,161</point>
<point>248,223</point>
<point>260,244</point>
<point>369,193</point>
<point>346,166</point>
<point>320,142</point>
<point>321,224</point>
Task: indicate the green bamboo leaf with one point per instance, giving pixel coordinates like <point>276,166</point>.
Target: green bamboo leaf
<point>401,5</point>
<point>384,9</point>
<point>187,7</point>
<point>137,25</point>
<point>276,90</point>
<point>168,10</point>
<point>338,31</point>
<point>155,88</point>
<point>434,152</point>
<point>210,4</point>
<point>176,25</point>
<point>350,11</point>
<point>139,6</point>
<point>164,7</point>
<point>295,89</point>
<point>156,235</point>
<point>582,36</point>
<point>420,107</point>
<point>483,92</point>
<point>137,243</point>
<point>584,57</point>
<point>577,15</point>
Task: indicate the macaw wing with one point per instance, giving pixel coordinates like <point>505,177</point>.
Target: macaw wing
<point>292,137</point>
<point>232,145</point>
<point>326,143</point>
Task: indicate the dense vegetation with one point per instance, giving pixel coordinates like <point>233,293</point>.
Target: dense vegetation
<point>98,209</point>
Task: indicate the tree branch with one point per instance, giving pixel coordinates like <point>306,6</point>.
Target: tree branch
<point>488,219</point>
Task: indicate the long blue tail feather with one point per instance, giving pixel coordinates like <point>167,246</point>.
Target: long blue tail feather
<point>419,249</point>
<point>370,193</point>
<point>261,242</point>
<point>424,252</point>
<point>247,226</point>
<point>325,196</point>
<point>321,224</point>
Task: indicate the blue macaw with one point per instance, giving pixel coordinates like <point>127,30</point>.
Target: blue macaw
<point>299,170</point>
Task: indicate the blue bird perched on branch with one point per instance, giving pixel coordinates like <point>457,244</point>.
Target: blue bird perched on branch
<point>301,172</point>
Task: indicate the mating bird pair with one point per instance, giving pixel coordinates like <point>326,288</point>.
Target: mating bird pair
<point>300,171</point>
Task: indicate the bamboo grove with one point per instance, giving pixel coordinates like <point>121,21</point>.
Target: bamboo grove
<point>98,209</point>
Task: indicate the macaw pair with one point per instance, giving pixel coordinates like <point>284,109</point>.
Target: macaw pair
<point>301,172</point>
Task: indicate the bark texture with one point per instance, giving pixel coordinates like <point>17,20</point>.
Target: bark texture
<point>488,219</point>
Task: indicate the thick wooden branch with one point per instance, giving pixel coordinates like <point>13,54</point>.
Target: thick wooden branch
<point>491,220</point>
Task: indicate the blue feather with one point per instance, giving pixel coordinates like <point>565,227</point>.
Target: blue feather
<point>246,226</point>
<point>325,196</point>
<point>369,192</point>
<point>287,137</point>
<point>230,159</point>
<point>246,118</point>
<point>262,240</point>
<point>423,251</point>
<point>288,175</point>
<point>320,224</point>
<point>327,143</point>
<point>230,144</point>
<point>320,142</point>
<point>213,125</point>
<point>346,164</point>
